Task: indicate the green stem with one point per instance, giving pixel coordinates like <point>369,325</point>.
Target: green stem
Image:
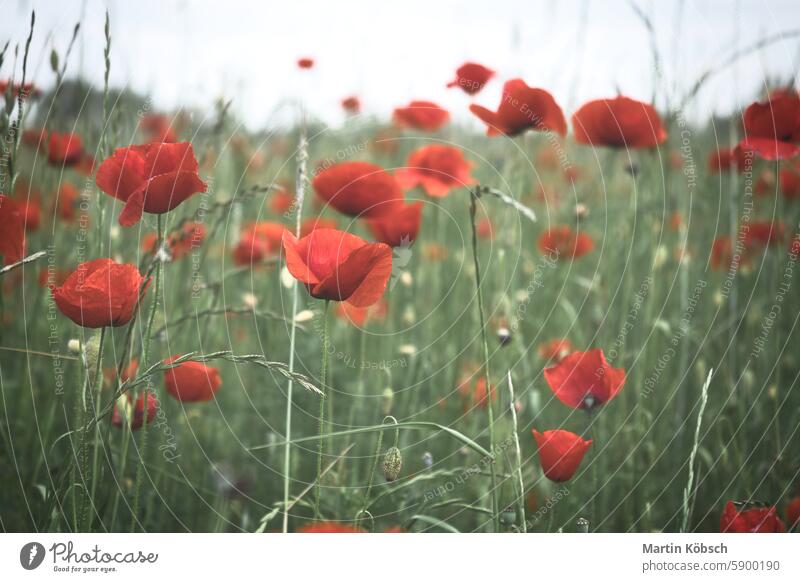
<point>321,418</point>
<point>98,386</point>
<point>489,406</point>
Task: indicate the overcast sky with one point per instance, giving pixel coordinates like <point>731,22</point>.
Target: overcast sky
<point>390,52</point>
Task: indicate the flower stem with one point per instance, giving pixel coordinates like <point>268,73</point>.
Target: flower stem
<point>321,419</point>
<point>489,407</point>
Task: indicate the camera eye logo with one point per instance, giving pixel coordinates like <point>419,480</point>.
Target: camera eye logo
<point>31,555</point>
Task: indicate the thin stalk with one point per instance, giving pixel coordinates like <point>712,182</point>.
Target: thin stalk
<point>687,493</point>
<point>518,452</point>
<point>321,418</point>
<point>489,407</point>
<point>98,386</point>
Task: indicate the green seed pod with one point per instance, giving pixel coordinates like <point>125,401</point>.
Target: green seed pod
<point>386,401</point>
<point>392,463</point>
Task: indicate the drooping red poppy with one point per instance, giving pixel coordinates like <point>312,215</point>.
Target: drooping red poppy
<point>153,178</point>
<point>259,241</point>
<point>328,527</point>
<point>136,416</point>
<point>560,453</point>
<point>399,228</point>
<point>437,169</point>
<point>359,316</point>
<point>422,115</point>
<point>772,127</point>
<point>100,293</point>
<point>618,123</point>
<point>359,189</point>
<point>471,78</point>
<point>793,511</point>
<point>12,231</point>
<point>555,350</point>
<point>191,381</point>
<point>790,180</point>
<point>750,518</point>
<point>311,224</point>
<point>64,149</point>
<point>339,266</point>
<point>180,244</point>
<point>585,379</point>
<point>522,108</point>
<point>351,105</point>
<point>305,63</point>
<point>566,244</point>
<point>762,234</point>
<point>722,160</point>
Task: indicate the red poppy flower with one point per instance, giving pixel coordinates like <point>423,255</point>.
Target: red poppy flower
<point>305,63</point>
<point>359,316</point>
<point>618,123</point>
<point>793,511</point>
<point>422,115</point>
<point>180,244</point>
<point>100,293</point>
<point>584,379</point>
<point>400,228</point>
<point>359,189</point>
<point>522,108</point>
<point>35,138</point>
<point>191,381</point>
<point>351,105</point>
<point>67,201</point>
<point>12,231</point>
<point>437,168</point>
<point>27,201</point>
<point>328,527</point>
<point>312,224</point>
<point>64,149</point>
<point>479,396</point>
<point>259,241</point>
<point>721,253</point>
<point>790,180</point>
<point>281,201</point>
<point>560,453</point>
<point>750,518</point>
<point>723,160</point>
<point>471,77</point>
<point>555,350</point>
<point>339,266</point>
<point>762,234</point>
<point>28,89</point>
<point>772,127</point>
<point>565,243</point>
<point>137,418</point>
<point>153,178</point>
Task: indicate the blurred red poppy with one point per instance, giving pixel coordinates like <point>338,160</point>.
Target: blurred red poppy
<point>153,178</point>
<point>28,89</point>
<point>359,189</point>
<point>180,244</point>
<point>67,201</point>
<point>358,316</point>
<point>793,511</point>
<point>585,380</point>
<point>27,200</point>
<point>12,231</point>
<point>282,201</point>
<point>723,160</point>
<point>351,105</point>
<point>618,123</point>
<point>100,293</point>
<point>339,266</point>
<point>312,224</point>
<point>328,527</point>
<point>437,168</point>
<point>159,128</point>
<point>136,416</point>
<point>750,518</point>
<point>762,234</point>
<point>64,149</point>
<point>422,115</point>
<point>471,77</point>
<point>191,381</point>
<point>772,127</point>
<point>399,228</point>
<point>721,253</point>
<point>555,350</point>
<point>35,138</point>
<point>522,108</point>
<point>305,63</point>
<point>566,244</point>
<point>790,180</point>
<point>560,453</point>
<point>128,372</point>
<point>479,393</point>
<point>85,166</point>
<point>259,241</point>
<point>484,228</point>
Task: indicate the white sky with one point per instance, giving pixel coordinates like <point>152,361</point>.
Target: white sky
<point>389,52</point>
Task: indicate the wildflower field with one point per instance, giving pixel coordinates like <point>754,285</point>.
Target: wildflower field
<point>540,319</point>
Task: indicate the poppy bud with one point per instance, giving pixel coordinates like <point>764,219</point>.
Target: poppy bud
<point>386,401</point>
<point>392,463</point>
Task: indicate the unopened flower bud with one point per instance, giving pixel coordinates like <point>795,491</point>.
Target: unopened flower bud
<point>392,463</point>
<point>54,61</point>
